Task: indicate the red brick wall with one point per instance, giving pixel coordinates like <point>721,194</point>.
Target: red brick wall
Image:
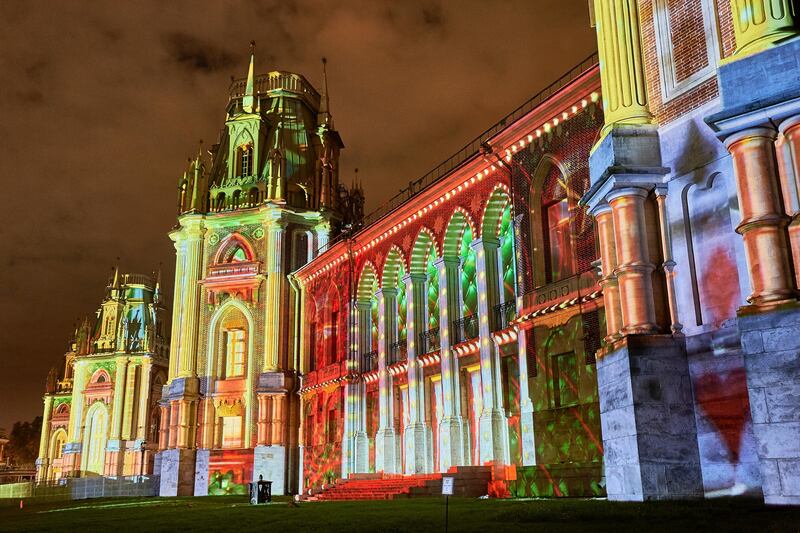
<point>689,54</point>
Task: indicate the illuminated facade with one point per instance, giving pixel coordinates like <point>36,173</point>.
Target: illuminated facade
<point>597,296</point>
<point>101,414</point>
<point>252,209</point>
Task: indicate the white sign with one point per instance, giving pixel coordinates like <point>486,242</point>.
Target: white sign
<point>447,486</point>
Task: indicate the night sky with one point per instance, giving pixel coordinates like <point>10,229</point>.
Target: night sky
<point>101,103</point>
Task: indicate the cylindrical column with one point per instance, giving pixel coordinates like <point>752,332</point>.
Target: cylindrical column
<point>608,262</point>
<point>274,297</point>
<point>763,225</point>
<point>44,449</point>
<point>759,24</point>
<point>163,428</point>
<point>144,398</point>
<point>669,263</point>
<point>790,184</point>
<point>191,297</point>
<point>263,420</point>
<point>634,270</point>
<point>415,322</point>
<point>119,397</point>
<point>621,63</point>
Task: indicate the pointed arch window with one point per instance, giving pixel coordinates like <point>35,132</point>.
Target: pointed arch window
<point>559,259</point>
<point>244,160</point>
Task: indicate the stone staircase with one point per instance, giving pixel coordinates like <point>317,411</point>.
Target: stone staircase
<point>469,481</point>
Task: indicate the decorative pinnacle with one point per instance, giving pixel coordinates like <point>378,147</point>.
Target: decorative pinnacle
<point>248,100</point>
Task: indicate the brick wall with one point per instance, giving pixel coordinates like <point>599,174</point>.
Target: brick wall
<point>689,53</point>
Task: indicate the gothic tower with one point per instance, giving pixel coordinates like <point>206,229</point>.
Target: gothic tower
<point>253,208</point>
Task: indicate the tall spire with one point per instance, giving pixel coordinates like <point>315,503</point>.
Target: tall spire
<point>249,96</point>
<point>325,104</point>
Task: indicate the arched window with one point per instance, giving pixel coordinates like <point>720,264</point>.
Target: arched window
<point>559,256</point>
<point>234,345</point>
<point>245,160</point>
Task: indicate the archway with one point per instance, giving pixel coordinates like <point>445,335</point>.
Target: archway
<point>94,439</point>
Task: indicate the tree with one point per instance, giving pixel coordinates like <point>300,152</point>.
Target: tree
<point>23,441</point>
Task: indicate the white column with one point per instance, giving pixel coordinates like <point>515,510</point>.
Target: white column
<point>360,438</point>
<point>44,460</point>
<point>451,427</point>
<point>493,426</point>
<point>418,458</point>
<point>386,444</point>
<point>527,431</point>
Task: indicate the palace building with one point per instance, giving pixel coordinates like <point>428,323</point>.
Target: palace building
<point>598,296</point>
<point>101,414</point>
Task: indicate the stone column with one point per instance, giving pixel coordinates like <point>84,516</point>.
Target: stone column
<point>669,264</point>
<point>44,460</point>
<point>190,301</point>
<point>177,310</point>
<point>127,408</point>
<point>144,399</point>
<point>608,262</point>
<point>163,428</point>
<point>493,426</point>
<point>763,225</point>
<point>451,427</point>
<point>386,445</point>
<point>634,270</point>
<point>418,459</point>
<point>119,398</point>
<point>760,24</point>
<point>263,434</point>
<point>790,185</point>
<point>274,296</point>
<point>361,440</point>
<point>526,408</point>
<point>621,62</point>
<point>76,409</point>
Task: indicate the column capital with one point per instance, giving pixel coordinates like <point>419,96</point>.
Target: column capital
<point>768,134</point>
<point>761,24</point>
<point>600,209</point>
<point>387,292</point>
<point>446,262</point>
<point>484,242</point>
<point>614,194</point>
<point>414,277</point>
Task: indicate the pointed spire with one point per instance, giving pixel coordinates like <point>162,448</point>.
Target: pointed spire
<point>325,104</point>
<point>249,97</point>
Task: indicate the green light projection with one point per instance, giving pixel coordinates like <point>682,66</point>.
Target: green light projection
<point>507,255</point>
<point>469,282</point>
<point>432,285</point>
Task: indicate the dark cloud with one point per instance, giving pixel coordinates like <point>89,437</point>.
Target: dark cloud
<point>196,54</point>
<point>100,110</point>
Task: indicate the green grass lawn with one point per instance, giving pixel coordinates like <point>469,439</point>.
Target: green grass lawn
<point>229,513</point>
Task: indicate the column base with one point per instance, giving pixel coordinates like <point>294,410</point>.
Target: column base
<point>771,345</point>
<point>387,458</point>
<point>648,423</point>
<point>201,472</point>
<point>416,449</point>
<point>528,436</point>
<point>451,442</point>
<point>493,427</point>
<point>270,462</point>
<point>177,472</point>
<point>361,451</point>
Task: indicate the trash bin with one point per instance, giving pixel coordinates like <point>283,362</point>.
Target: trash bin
<point>260,491</point>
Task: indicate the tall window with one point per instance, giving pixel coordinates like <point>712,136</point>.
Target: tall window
<point>231,431</point>
<point>235,351</point>
<point>334,337</point>
<point>559,257</point>
<point>245,160</point>
<point>312,347</point>
<point>332,426</point>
